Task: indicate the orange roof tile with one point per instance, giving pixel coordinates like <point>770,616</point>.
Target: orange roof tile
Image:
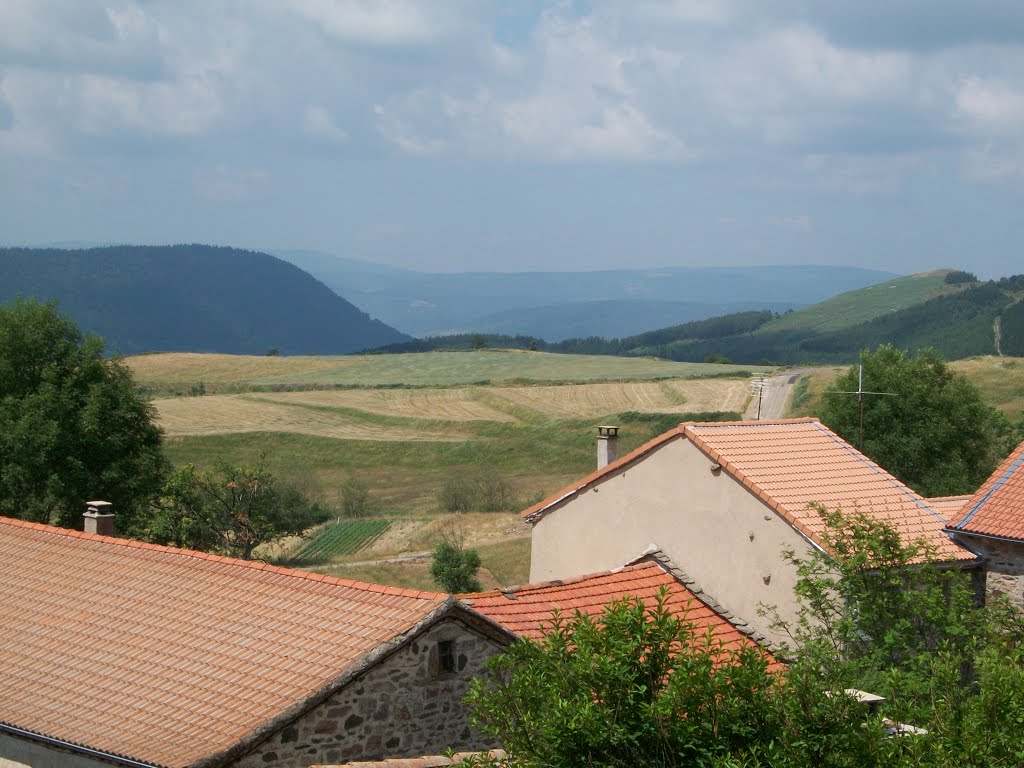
<point>791,464</point>
<point>528,610</point>
<point>168,656</point>
<point>997,509</point>
<point>949,506</point>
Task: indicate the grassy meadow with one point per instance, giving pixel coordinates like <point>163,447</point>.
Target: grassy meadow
<point>407,425</point>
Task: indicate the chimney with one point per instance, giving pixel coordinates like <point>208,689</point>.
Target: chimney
<point>607,445</point>
<point>99,518</point>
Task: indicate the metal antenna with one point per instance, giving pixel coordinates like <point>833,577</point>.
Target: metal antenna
<point>860,392</point>
<point>758,383</point>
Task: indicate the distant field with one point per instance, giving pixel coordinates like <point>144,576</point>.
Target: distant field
<point>405,425</point>
<point>164,373</point>
<point>854,307</point>
<point>589,400</point>
<point>187,367</point>
<point>226,414</point>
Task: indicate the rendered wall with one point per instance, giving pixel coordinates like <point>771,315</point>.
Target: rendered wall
<point>712,527</point>
<point>403,707</point>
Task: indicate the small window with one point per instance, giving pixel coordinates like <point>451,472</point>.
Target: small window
<point>446,656</point>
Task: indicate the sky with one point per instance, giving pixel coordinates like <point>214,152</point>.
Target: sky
<point>512,135</point>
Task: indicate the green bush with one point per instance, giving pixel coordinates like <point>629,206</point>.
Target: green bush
<point>477,493</point>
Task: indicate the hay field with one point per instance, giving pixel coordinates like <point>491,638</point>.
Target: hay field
<point>340,413</point>
<point>593,400</point>
<point>458,404</point>
<point>181,371</point>
<point>232,414</point>
<point>1000,379</point>
<point>173,368</point>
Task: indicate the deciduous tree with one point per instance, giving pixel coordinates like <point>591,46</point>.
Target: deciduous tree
<point>72,427</point>
<point>931,429</point>
<point>229,509</point>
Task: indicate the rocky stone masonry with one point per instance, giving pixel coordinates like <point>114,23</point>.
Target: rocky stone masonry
<point>404,706</point>
<point>1005,567</point>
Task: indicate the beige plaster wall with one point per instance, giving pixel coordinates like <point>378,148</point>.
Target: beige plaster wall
<point>714,529</point>
<point>402,707</point>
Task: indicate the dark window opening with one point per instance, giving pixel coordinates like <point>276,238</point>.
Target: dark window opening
<point>446,656</point>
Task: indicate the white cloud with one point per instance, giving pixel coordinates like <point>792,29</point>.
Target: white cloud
<point>381,22</point>
<point>318,123</point>
<point>990,105</point>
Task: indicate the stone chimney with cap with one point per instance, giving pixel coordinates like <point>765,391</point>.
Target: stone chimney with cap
<point>607,445</point>
<point>99,518</point>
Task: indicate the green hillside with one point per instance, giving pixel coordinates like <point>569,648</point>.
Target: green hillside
<point>195,298</point>
<point>958,318</point>
<point>864,304</point>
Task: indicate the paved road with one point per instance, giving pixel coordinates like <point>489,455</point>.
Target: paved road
<point>774,396</point>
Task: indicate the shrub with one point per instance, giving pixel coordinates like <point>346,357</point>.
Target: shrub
<point>356,498</point>
<point>480,493</point>
<point>958,276</point>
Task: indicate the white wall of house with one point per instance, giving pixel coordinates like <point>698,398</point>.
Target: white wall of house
<point>712,527</point>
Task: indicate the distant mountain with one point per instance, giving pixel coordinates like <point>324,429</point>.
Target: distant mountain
<point>958,319</point>
<point>195,298</point>
<point>608,318</point>
<point>426,303</point>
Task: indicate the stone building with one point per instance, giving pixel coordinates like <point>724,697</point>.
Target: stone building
<point>991,523</point>
<point>116,652</point>
<point>724,501</point>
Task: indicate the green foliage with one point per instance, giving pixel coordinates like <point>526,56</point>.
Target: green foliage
<point>933,432</point>
<point>229,509</point>
<point>884,617</point>
<point>958,277</point>
<point>342,538</point>
<point>1012,330</point>
<point>638,686</point>
<point>454,567</point>
<point>482,492</point>
<point>71,426</point>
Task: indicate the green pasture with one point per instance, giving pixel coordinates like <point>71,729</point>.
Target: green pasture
<point>859,306</point>
<point>494,366</point>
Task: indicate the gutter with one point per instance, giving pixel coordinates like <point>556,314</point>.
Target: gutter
<point>50,741</point>
<point>954,532</point>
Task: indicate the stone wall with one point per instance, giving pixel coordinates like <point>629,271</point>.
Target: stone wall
<point>1005,566</point>
<point>405,706</point>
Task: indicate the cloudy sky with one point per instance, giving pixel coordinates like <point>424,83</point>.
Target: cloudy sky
<point>511,135</point>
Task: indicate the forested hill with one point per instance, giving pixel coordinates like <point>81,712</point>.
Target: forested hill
<point>950,311</point>
<point>195,298</point>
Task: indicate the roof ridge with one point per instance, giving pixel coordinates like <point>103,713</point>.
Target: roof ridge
<point>662,559</point>
<point>517,588</point>
<point>998,478</point>
<point>752,423</point>
<point>257,565</point>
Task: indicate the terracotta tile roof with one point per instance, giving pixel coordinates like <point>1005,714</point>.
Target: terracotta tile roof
<point>948,506</point>
<point>528,610</point>
<point>433,761</point>
<point>168,656</point>
<point>792,463</point>
<point>997,509</point>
